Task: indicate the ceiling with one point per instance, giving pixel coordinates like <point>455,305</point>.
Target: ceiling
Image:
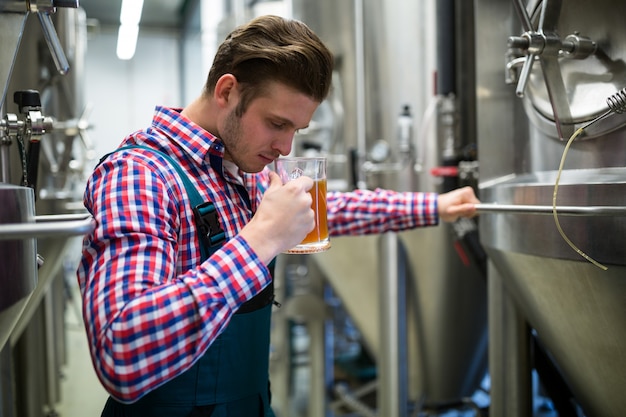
<point>156,13</point>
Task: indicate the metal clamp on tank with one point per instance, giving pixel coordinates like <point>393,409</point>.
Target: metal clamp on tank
<point>43,9</point>
<point>545,45</point>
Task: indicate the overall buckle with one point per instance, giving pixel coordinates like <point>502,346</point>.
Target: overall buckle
<point>208,223</point>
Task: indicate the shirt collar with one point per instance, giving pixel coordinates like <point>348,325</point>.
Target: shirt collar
<point>200,144</point>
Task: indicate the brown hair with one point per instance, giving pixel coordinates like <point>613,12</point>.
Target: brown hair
<point>270,48</point>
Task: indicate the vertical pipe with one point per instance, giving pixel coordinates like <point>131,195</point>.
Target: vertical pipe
<point>359,55</point>
<point>329,349</point>
<point>447,87</point>
<point>446,48</point>
<point>4,160</point>
<point>317,399</point>
<point>509,353</point>
<point>465,63</point>
<point>392,393</point>
<point>52,378</point>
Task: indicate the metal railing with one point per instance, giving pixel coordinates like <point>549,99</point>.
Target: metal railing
<point>489,208</point>
<point>49,226</point>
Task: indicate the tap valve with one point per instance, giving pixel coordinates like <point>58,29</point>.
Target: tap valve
<point>29,130</point>
<point>36,124</point>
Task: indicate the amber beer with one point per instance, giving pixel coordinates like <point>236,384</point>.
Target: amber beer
<point>320,231</point>
<point>289,168</point>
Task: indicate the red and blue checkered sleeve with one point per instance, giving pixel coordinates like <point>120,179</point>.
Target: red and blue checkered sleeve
<point>362,212</point>
<point>150,308</point>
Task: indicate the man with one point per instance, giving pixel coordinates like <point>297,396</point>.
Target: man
<point>178,323</point>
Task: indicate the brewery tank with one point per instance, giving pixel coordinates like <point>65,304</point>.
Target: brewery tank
<point>385,60</point>
<point>17,273</point>
<point>530,101</point>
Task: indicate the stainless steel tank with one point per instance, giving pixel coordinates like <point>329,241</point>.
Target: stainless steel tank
<point>65,149</point>
<point>384,58</point>
<point>35,41</point>
<point>575,308</point>
<point>19,258</point>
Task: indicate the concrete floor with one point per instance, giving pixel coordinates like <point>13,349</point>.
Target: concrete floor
<point>81,392</point>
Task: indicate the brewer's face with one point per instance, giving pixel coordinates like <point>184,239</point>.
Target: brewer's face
<point>266,129</point>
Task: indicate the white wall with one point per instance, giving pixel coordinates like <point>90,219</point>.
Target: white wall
<point>124,93</point>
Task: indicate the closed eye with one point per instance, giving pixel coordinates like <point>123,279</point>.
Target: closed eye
<point>283,124</point>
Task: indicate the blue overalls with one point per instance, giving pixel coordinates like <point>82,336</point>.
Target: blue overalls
<point>231,379</point>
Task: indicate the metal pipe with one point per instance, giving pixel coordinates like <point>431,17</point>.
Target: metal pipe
<point>317,399</point>
<point>44,228</point>
<point>520,8</point>
<point>50,351</point>
<point>393,392</point>
<point>359,55</point>
<point>351,400</point>
<point>597,211</point>
<point>446,48</point>
<point>4,162</point>
<point>56,50</point>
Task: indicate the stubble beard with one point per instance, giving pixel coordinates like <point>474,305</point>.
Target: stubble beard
<point>231,138</point>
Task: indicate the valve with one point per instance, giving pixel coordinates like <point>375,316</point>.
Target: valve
<point>29,130</point>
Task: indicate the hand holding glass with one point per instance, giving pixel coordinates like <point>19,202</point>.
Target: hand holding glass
<point>289,168</point>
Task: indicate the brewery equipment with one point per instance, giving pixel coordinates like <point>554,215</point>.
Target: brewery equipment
<point>37,218</point>
<point>558,75</point>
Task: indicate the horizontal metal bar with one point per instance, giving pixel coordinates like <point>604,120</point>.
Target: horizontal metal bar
<point>48,226</point>
<point>490,208</point>
<point>61,217</point>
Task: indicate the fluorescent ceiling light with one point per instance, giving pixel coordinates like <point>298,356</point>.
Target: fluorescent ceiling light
<point>127,41</point>
<point>130,15</point>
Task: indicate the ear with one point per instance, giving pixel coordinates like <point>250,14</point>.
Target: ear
<point>225,89</point>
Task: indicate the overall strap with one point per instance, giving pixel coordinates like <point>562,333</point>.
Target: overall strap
<point>205,215</point>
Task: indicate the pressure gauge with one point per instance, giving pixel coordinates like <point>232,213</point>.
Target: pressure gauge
<point>380,151</point>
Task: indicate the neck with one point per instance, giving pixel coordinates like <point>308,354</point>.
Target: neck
<point>202,112</point>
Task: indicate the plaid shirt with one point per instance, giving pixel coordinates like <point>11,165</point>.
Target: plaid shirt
<point>151,308</point>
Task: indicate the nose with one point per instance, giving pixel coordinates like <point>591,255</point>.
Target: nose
<point>284,144</point>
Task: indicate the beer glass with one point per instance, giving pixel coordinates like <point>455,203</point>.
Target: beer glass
<point>289,168</point>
